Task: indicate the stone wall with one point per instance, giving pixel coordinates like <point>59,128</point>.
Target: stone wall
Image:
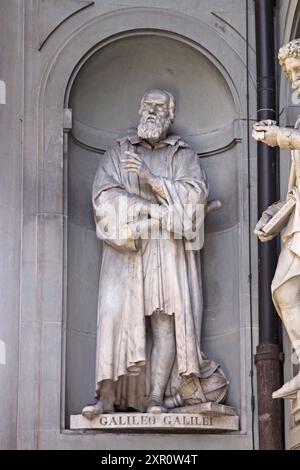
<point>57,47</point>
<point>11,136</point>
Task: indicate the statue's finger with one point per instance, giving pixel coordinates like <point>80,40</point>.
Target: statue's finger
<point>135,172</point>
<point>213,206</point>
<point>258,136</point>
<point>267,122</point>
<point>128,152</point>
<point>131,170</point>
<point>255,134</point>
<point>129,165</point>
<point>130,160</point>
<point>133,154</point>
<point>261,128</point>
<point>264,239</point>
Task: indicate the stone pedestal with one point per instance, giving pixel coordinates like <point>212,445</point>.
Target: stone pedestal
<point>206,417</point>
<point>296,409</point>
<point>295,431</point>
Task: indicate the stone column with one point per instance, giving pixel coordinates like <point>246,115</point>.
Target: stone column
<point>11,117</point>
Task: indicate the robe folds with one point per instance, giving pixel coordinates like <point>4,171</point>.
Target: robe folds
<point>288,265</point>
<point>140,276</point>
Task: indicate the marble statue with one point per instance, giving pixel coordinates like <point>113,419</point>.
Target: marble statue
<point>286,283</point>
<point>149,356</point>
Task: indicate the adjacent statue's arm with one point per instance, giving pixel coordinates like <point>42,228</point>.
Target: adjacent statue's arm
<point>269,133</point>
<point>288,138</point>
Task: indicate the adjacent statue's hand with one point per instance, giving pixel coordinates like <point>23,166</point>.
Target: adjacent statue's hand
<point>260,225</point>
<point>135,164</point>
<point>266,132</point>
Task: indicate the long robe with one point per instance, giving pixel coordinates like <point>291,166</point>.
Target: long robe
<point>140,276</point>
<point>288,265</point>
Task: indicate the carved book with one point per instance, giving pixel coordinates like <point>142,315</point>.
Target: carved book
<point>280,219</point>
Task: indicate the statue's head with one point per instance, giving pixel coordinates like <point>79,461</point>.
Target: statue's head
<point>289,59</point>
<point>157,113</point>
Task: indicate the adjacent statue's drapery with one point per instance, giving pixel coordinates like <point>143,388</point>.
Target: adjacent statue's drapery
<point>139,277</point>
<point>286,283</point>
<point>288,266</point>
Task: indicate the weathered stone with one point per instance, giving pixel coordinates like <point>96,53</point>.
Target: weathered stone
<point>151,267</point>
<point>284,216</point>
<point>208,409</point>
<point>295,409</point>
<point>209,51</point>
<point>151,421</point>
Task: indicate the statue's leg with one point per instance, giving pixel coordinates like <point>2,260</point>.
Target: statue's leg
<point>105,396</point>
<point>287,297</point>
<point>162,358</point>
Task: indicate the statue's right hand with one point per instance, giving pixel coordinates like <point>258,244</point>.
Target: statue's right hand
<point>266,132</point>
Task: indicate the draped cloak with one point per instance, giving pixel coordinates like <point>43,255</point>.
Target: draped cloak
<point>138,277</point>
<point>288,265</point>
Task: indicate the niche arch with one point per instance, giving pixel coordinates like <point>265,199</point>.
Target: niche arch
<point>44,247</point>
<point>104,98</point>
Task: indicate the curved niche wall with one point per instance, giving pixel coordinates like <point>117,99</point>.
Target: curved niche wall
<point>105,99</point>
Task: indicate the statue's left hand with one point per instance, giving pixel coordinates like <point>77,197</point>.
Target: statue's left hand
<point>266,132</point>
<point>135,164</point>
<point>260,225</point>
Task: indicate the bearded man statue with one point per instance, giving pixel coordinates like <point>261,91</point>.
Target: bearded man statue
<point>150,195</point>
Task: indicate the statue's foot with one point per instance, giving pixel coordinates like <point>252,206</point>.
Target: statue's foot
<point>288,390</point>
<point>156,407</point>
<point>101,406</point>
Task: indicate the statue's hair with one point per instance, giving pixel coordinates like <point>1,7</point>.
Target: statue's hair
<point>291,49</point>
<point>172,104</point>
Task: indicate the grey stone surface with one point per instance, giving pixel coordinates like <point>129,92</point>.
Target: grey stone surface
<point>81,348</point>
<point>83,262</point>
<point>219,252</point>
<point>223,186</point>
<point>219,31</point>
<point>11,129</point>
<point>53,14</point>
<point>295,409</point>
<point>82,166</point>
<point>29,352</point>
<point>159,62</point>
<point>145,441</point>
<point>208,409</point>
<point>294,438</point>
<point>165,421</point>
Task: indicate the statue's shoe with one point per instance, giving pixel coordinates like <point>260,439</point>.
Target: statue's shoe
<point>155,407</point>
<point>288,390</point>
<point>92,411</point>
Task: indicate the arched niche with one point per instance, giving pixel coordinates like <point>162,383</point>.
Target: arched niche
<point>105,98</point>
<point>47,261</point>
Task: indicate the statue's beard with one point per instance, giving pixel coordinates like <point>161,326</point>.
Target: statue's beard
<point>153,130</point>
